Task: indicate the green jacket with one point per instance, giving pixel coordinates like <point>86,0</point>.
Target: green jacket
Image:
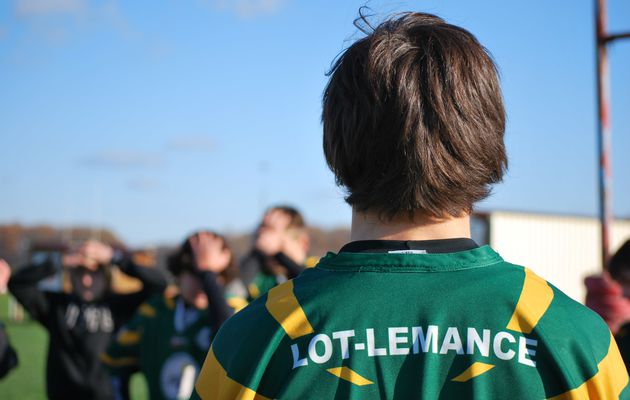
<point>414,326</point>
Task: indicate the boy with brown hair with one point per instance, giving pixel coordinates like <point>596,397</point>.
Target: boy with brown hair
<point>412,307</point>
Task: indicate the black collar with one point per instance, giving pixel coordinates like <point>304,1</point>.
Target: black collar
<point>428,246</point>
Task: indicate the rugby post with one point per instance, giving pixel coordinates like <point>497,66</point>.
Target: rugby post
<point>604,125</point>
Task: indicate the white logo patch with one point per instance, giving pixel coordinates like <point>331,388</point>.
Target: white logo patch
<point>175,375</point>
<point>407,252</point>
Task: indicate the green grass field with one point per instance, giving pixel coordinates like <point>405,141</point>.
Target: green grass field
<point>30,341</point>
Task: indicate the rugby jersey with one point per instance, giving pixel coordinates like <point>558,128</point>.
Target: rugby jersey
<point>402,324</point>
<point>163,340</point>
<point>167,342</point>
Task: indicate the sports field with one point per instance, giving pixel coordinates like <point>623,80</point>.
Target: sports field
<point>27,381</point>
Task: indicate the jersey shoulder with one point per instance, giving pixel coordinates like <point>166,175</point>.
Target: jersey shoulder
<point>157,304</point>
<point>249,346</point>
<point>578,354</point>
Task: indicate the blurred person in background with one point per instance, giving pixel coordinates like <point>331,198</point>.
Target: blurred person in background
<point>81,322</point>
<point>281,244</point>
<point>609,295</point>
<point>8,356</point>
<point>168,338</point>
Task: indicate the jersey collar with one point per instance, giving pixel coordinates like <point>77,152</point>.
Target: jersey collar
<point>404,262</point>
<point>410,246</point>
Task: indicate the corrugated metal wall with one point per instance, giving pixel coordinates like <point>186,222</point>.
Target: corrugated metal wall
<point>561,249</point>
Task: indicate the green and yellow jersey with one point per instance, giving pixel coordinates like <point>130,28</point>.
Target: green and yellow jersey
<point>163,340</point>
<point>405,325</point>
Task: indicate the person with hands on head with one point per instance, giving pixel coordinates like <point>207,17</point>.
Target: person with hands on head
<point>168,337</point>
<point>222,289</point>
<point>87,269</point>
<point>280,248</point>
<point>81,322</point>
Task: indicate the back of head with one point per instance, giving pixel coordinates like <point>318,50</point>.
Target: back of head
<point>619,264</point>
<point>414,120</point>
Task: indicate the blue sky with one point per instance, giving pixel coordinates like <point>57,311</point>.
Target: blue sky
<point>155,118</point>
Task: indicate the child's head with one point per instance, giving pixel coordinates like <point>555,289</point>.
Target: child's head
<point>414,120</point>
<point>186,272</point>
<point>292,223</point>
<point>283,229</point>
<point>87,272</point>
<point>292,218</point>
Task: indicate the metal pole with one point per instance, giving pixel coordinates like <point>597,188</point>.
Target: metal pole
<point>603,131</point>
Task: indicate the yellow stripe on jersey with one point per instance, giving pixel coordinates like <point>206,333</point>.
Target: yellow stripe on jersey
<point>535,299</point>
<point>311,262</point>
<point>146,310</point>
<point>253,290</point>
<point>608,383</point>
<point>128,338</point>
<point>285,308</point>
<point>237,303</point>
<point>349,375</point>
<point>213,383</point>
<point>118,362</point>
<point>473,371</point>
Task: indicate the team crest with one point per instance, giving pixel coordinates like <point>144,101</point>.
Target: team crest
<point>178,375</point>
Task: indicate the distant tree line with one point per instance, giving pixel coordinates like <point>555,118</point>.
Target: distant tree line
<point>17,241</point>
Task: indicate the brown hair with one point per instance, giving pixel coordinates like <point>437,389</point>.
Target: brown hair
<point>619,264</point>
<point>297,220</point>
<point>414,120</point>
<point>183,259</point>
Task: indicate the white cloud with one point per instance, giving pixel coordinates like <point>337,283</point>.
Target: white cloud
<point>250,8</point>
<point>143,184</point>
<point>123,159</point>
<point>29,8</point>
<point>56,21</point>
<point>199,143</point>
<point>53,20</point>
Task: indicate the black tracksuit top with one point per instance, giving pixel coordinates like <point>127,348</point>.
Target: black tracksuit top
<point>79,331</point>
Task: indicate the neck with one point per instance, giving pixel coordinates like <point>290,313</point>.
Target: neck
<point>367,226</point>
